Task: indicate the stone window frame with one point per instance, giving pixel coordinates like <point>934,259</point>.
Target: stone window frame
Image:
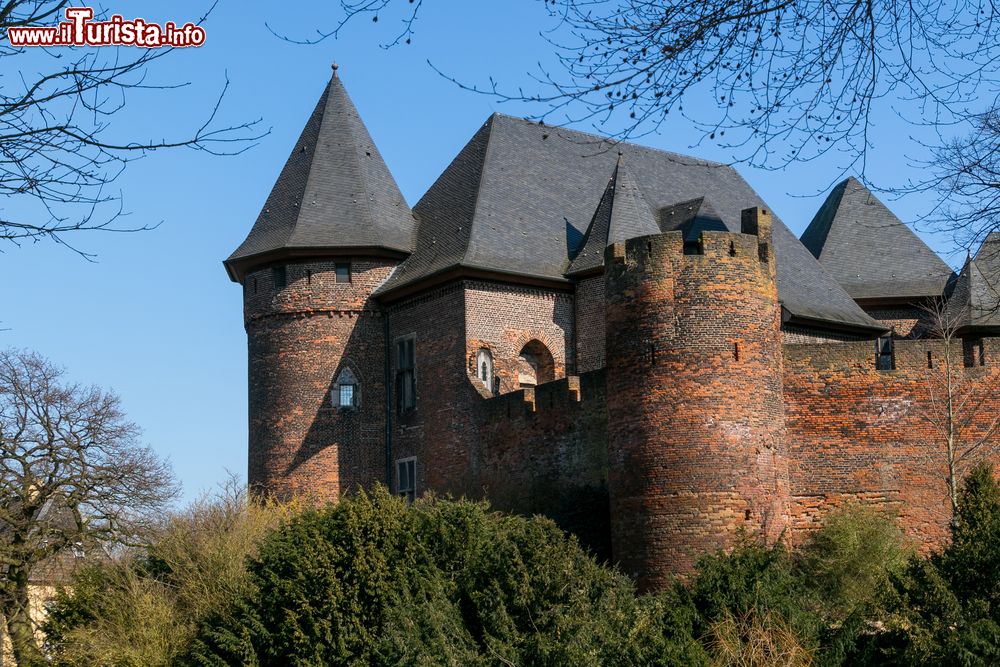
<point>346,373</point>
<point>405,348</point>
<point>406,469</point>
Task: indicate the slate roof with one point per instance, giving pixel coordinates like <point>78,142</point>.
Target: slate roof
<point>520,196</point>
<point>334,193</point>
<point>869,251</point>
<point>622,214</point>
<point>975,300</point>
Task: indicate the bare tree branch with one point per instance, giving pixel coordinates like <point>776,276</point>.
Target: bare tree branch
<point>59,148</point>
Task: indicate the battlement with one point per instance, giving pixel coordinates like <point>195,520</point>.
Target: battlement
<point>908,355</point>
<point>571,393</point>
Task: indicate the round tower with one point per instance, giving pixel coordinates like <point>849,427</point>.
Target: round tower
<point>331,232</point>
<point>694,394</point>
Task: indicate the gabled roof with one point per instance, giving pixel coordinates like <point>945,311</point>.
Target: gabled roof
<point>335,194</point>
<point>519,196</point>
<point>975,301</point>
<point>869,251</point>
<point>622,214</point>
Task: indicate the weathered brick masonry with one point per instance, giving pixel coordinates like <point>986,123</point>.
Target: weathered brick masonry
<point>630,344</point>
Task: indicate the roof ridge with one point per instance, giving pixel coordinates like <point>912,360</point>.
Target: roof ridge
<point>489,124</point>
<point>615,142</point>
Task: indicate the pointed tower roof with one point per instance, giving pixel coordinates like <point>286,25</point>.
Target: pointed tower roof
<point>621,214</point>
<point>975,299</point>
<point>335,195</point>
<point>869,251</point>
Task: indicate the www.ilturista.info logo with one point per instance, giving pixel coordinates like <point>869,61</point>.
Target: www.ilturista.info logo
<point>79,29</point>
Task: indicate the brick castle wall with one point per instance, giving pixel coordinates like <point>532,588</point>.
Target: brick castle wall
<point>856,434</point>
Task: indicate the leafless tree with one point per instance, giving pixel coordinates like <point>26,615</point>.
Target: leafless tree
<point>962,409</point>
<point>60,153</point>
<point>790,79</point>
<point>72,476</point>
<point>965,172</point>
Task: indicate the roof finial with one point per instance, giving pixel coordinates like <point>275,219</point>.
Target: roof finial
<point>334,67</point>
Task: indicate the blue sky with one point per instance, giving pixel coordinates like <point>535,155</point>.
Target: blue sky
<point>155,317</point>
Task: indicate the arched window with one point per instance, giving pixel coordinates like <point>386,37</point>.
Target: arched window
<point>484,368</point>
<point>535,364</point>
<point>345,391</point>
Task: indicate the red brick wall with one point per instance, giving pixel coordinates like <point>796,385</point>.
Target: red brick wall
<point>439,430</point>
<point>695,428</point>
<point>504,318</point>
<point>857,434</point>
<point>590,323</point>
<point>545,451</point>
<point>299,339</point>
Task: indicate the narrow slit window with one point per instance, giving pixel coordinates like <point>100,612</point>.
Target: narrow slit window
<point>736,351</point>
<point>930,359</point>
<point>343,271</point>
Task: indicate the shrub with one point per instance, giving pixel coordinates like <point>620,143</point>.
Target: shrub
<point>372,581</point>
<point>143,608</point>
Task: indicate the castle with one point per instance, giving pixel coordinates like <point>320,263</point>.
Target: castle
<point>624,339</point>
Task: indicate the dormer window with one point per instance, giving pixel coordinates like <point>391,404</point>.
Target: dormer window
<point>345,391</point>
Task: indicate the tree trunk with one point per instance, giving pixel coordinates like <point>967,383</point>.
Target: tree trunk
<point>16,609</point>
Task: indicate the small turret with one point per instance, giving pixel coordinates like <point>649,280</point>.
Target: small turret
<point>694,386</point>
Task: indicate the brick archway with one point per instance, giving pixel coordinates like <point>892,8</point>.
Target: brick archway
<point>535,364</point>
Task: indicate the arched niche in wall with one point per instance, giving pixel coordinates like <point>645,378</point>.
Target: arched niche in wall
<point>535,364</point>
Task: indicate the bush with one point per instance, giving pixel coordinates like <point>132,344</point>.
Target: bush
<point>372,581</point>
<point>143,608</point>
<point>947,605</point>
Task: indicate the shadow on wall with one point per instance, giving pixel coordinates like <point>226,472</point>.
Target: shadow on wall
<point>347,441</point>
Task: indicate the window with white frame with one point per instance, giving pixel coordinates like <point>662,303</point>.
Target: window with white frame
<point>406,478</point>
<point>484,368</point>
<point>406,380</point>
<point>344,394</point>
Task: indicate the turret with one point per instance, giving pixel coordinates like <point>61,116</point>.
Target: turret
<point>694,393</point>
<point>331,231</point>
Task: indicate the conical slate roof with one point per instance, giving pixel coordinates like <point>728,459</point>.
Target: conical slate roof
<point>519,197</point>
<point>334,195</point>
<point>622,214</point>
<point>869,251</point>
<point>975,300</point>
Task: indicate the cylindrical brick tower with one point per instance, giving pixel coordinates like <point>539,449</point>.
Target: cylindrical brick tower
<point>331,232</point>
<point>307,335</point>
<point>694,385</point>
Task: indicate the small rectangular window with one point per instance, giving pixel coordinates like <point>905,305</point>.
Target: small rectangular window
<point>347,395</point>
<point>884,354</point>
<point>406,478</point>
<point>343,270</point>
<point>280,277</point>
<point>406,385</point>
